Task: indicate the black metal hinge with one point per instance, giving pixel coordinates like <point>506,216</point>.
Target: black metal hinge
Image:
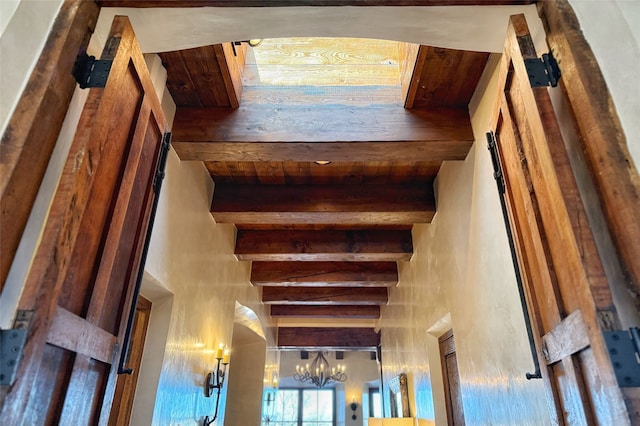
<point>624,350</point>
<point>11,345</point>
<point>91,72</point>
<point>543,72</point>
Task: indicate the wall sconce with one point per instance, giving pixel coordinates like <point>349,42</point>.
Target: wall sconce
<point>354,407</point>
<point>215,379</point>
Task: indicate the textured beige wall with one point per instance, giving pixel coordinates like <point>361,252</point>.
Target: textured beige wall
<point>244,394</point>
<point>461,276</point>
<point>192,257</point>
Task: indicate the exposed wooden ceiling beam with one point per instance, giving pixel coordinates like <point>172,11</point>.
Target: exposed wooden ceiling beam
<point>326,311</point>
<point>323,204</point>
<point>444,78</point>
<point>328,338</point>
<point>283,3</point>
<point>334,133</point>
<point>369,246</point>
<point>334,274</point>
<point>324,295</point>
<point>207,76</point>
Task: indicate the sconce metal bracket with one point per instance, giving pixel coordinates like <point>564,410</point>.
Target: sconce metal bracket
<point>624,349</point>
<point>11,345</point>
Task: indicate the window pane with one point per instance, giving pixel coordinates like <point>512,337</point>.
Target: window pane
<point>375,403</point>
<point>309,405</point>
<point>283,409</point>
<point>317,406</point>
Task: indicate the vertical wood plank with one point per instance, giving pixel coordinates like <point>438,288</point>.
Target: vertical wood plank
<point>601,136</point>
<point>32,131</point>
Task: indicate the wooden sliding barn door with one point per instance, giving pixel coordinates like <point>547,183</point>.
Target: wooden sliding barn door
<point>567,292</point>
<point>80,288</point>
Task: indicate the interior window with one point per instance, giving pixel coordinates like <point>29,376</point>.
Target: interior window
<point>375,403</point>
<point>299,407</point>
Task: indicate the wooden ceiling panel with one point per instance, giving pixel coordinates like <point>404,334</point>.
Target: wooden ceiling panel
<point>328,337</point>
<point>340,173</point>
<point>445,78</point>
<point>284,133</point>
<point>322,227</point>
<point>351,246</point>
<point>330,274</point>
<point>324,295</point>
<point>324,311</point>
<point>179,82</point>
<point>200,77</point>
<point>323,204</point>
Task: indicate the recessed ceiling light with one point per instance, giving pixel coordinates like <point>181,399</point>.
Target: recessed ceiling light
<point>322,162</point>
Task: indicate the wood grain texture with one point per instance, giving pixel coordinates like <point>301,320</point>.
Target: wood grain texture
<point>323,204</point>
<point>603,141</point>
<point>73,333</point>
<point>335,274</point>
<point>359,96</point>
<point>567,338</point>
<point>448,77</point>
<point>323,61</point>
<point>284,3</point>
<point>326,311</point>
<point>93,184</point>
<point>291,123</point>
<point>576,278</point>
<point>338,151</point>
<point>231,72</point>
<point>201,77</point>
<point>409,54</point>
<point>280,133</point>
<point>327,337</point>
<point>33,128</point>
<point>126,385</point>
<point>335,173</point>
<point>444,78</point>
<point>324,296</point>
<point>370,246</point>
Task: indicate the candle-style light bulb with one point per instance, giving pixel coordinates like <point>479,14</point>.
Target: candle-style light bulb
<point>219,351</point>
<point>226,355</point>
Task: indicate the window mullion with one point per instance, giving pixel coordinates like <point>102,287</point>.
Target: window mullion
<point>300,403</point>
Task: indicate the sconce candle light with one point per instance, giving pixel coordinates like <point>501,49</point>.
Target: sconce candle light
<point>354,407</point>
<point>215,379</point>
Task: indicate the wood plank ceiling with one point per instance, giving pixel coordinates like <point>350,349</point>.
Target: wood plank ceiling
<point>324,240</point>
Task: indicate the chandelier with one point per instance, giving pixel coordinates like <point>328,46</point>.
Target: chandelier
<point>320,373</point>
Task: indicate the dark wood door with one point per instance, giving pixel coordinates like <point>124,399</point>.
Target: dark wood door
<point>568,296</point>
<point>126,384</point>
<point>78,293</point>
<point>451,379</point>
